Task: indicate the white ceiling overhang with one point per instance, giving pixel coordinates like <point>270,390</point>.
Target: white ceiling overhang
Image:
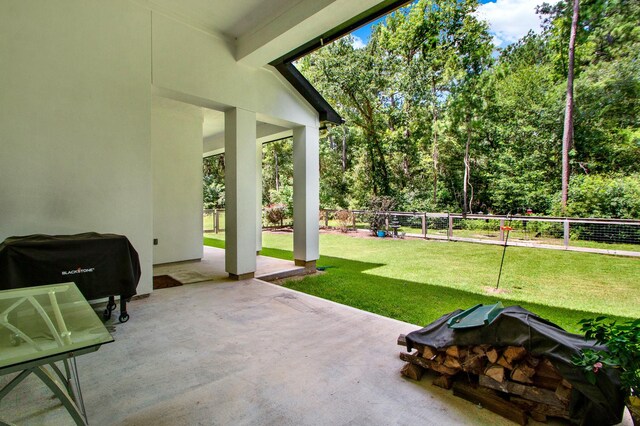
<point>262,31</point>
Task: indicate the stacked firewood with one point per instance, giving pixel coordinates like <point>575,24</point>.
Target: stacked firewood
<point>507,380</point>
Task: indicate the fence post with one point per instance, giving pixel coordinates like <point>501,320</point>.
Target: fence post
<point>215,221</point>
<point>424,225</point>
<point>353,219</point>
<point>386,221</point>
<point>566,232</point>
<point>326,218</point>
<point>501,229</point>
<point>450,231</point>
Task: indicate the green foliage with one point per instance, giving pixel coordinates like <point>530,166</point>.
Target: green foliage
<point>277,168</point>
<point>212,193</point>
<point>283,198</point>
<point>392,93</point>
<point>428,108</point>
<point>615,196</point>
<point>345,219</point>
<point>335,180</point>
<point>275,214</point>
<point>378,205</point>
<point>213,182</point>
<point>623,351</point>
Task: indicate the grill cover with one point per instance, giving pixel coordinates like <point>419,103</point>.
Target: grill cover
<point>101,265</point>
<point>599,404</point>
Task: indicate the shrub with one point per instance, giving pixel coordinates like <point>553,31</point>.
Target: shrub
<point>623,344</point>
<point>344,218</point>
<point>283,198</point>
<point>481,224</point>
<point>275,213</point>
<point>381,204</point>
<point>614,196</point>
<point>212,193</point>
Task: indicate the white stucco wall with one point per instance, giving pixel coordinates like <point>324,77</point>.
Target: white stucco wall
<point>74,121</point>
<point>176,148</point>
<point>76,78</point>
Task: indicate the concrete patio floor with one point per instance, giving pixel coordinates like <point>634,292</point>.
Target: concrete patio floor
<point>248,353</point>
<point>211,268</point>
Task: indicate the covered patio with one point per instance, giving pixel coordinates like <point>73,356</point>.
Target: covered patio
<point>248,352</point>
<point>108,110</point>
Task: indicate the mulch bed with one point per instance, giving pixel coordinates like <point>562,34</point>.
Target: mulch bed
<point>350,233</point>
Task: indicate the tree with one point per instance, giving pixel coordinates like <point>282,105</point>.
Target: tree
<point>567,136</point>
<point>213,194</point>
<point>352,80</point>
<point>522,130</point>
<point>434,123</point>
<point>277,168</point>
<point>468,100</point>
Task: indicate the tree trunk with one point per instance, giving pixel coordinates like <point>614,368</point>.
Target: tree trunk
<point>372,166</point>
<point>275,158</point>
<point>344,150</point>
<point>382,166</point>
<point>435,154</point>
<point>332,144</point>
<point>405,167</point>
<point>567,136</point>
<point>207,166</point>
<point>467,168</point>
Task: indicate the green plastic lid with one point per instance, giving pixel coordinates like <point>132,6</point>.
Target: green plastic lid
<point>476,316</point>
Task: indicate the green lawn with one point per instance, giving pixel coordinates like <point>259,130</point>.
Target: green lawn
<point>418,281</point>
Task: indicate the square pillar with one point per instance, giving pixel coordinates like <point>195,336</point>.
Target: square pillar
<point>259,196</point>
<point>240,192</point>
<point>306,196</point>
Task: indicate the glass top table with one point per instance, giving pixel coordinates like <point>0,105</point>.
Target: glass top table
<point>42,325</point>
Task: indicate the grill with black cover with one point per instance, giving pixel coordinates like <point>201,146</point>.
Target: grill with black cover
<point>101,265</point>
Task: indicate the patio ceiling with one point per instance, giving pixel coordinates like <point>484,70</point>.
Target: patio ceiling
<point>264,32</point>
<point>213,132</point>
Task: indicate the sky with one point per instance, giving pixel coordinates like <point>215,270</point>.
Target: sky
<point>508,20</point>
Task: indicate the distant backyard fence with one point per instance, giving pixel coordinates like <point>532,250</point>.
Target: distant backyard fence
<point>213,220</point>
<point>609,236</point>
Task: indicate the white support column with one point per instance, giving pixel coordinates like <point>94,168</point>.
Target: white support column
<point>306,196</point>
<point>259,196</point>
<point>240,192</point>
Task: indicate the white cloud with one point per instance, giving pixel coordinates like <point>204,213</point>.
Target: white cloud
<point>509,20</point>
<point>357,42</point>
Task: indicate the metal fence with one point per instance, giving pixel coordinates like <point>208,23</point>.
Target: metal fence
<point>213,220</point>
<point>611,236</point>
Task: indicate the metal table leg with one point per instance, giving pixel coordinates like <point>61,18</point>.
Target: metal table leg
<point>60,392</point>
<point>68,393</point>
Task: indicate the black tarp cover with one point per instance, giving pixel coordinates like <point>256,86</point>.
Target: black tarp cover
<point>599,404</point>
<point>101,265</point>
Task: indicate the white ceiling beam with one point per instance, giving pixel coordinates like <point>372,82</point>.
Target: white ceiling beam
<point>214,144</point>
<point>299,24</point>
